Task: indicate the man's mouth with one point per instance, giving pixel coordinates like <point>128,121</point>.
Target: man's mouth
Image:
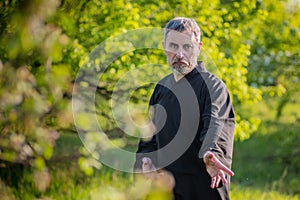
<point>180,63</point>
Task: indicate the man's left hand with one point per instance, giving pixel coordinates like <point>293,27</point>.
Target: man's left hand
<point>216,169</point>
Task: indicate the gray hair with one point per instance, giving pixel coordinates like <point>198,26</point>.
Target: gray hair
<point>181,24</point>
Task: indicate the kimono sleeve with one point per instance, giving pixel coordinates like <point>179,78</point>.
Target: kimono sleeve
<point>147,146</point>
<point>217,134</point>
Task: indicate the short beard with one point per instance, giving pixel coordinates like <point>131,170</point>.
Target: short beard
<point>182,68</point>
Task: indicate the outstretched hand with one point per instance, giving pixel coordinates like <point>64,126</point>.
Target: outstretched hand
<point>216,169</point>
<point>162,178</point>
<point>148,167</point>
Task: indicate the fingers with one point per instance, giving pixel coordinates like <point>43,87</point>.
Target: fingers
<point>147,164</point>
<point>211,159</point>
<point>146,160</point>
<point>221,166</point>
<point>218,181</point>
<point>224,180</point>
<point>215,181</point>
<point>148,168</point>
<point>216,169</point>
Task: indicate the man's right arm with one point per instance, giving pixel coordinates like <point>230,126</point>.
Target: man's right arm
<point>145,147</point>
<point>144,150</point>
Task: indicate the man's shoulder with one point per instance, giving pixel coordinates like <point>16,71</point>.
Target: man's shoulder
<point>167,80</point>
<point>206,75</point>
<point>211,80</point>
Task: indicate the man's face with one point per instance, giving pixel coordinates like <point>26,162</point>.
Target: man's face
<point>182,51</point>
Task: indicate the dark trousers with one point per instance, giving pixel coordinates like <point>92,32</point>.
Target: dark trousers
<point>194,187</point>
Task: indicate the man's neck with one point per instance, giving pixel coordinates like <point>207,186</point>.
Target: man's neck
<point>177,75</point>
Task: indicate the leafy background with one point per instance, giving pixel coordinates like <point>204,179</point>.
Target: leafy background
<point>254,46</point>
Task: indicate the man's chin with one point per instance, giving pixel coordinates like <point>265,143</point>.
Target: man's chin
<point>181,69</point>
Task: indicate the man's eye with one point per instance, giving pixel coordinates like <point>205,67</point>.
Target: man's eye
<point>187,46</point>
<point>173,46</point>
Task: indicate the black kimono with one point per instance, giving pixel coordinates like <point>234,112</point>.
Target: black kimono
<point>191,116</point>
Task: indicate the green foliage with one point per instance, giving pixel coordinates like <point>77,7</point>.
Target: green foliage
<point>44,44</point>
<point>34,85</point>
<point>69,182</point>
<point>272,164</point>
<point>223,46</point>
<point>274,35</point>
<point>270,158</point>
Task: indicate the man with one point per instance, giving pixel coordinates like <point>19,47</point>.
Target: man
<point>194,121</point>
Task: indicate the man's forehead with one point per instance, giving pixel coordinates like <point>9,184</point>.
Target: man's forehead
<point>176,36</point>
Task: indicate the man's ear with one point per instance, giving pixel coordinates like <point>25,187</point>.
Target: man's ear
<point>200,45</point>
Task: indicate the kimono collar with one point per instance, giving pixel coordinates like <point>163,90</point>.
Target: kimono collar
<point>199,68</point>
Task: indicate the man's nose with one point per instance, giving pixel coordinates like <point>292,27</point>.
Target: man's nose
<point>179,53</point>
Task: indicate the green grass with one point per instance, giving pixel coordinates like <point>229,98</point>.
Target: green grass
<point>258,175</point>
<point>267,161</point>
<point>248,193</point>
<point>266,166</point>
